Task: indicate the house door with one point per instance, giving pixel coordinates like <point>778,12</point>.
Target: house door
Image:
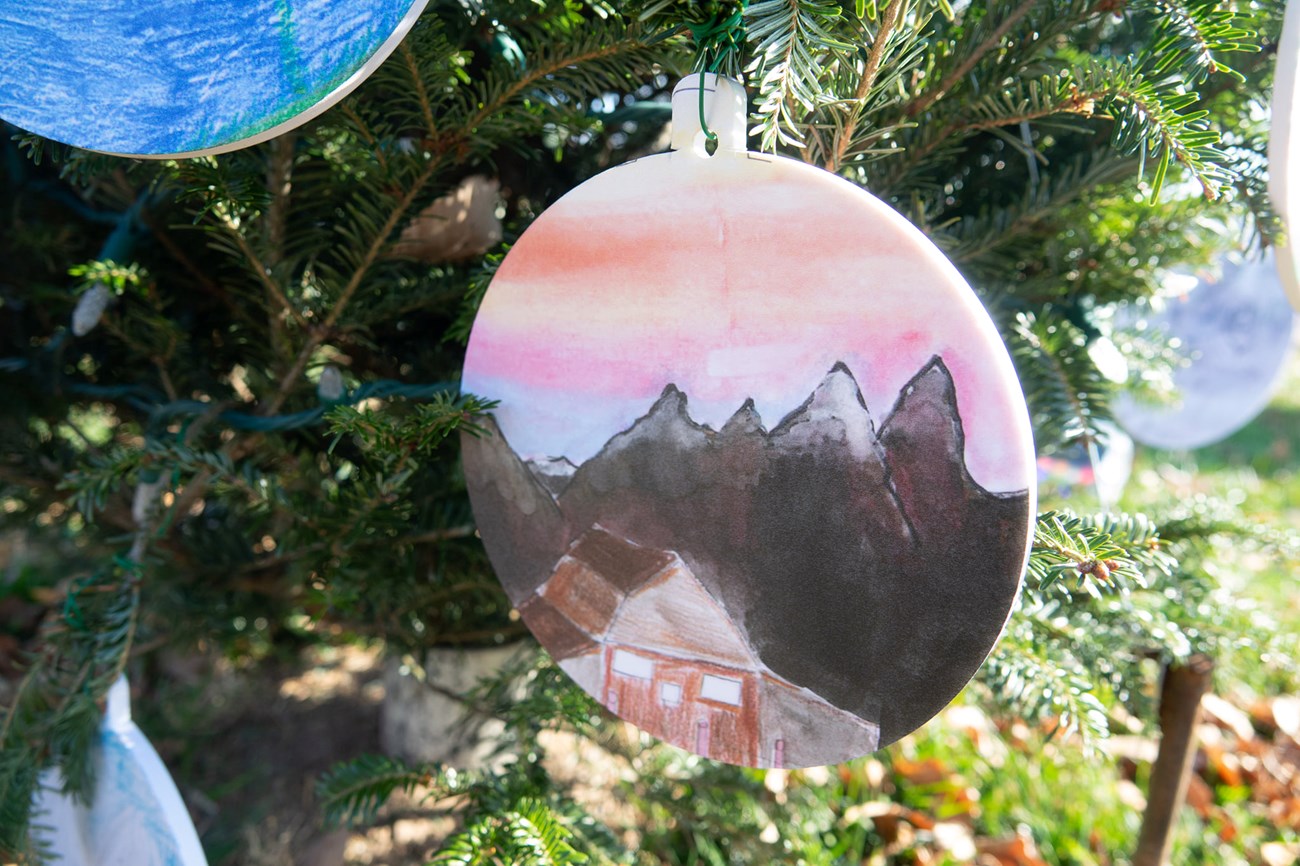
<point>719,735</point>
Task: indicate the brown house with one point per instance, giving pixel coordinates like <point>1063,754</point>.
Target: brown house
<point>637,629</point>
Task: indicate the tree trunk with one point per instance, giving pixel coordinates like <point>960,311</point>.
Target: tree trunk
<point>1181,691</point>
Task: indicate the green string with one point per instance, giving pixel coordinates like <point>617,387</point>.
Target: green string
<point>718,39</point>
<point>704,124</point>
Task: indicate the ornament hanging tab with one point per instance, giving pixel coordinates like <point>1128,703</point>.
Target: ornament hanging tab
<point>724,110</point>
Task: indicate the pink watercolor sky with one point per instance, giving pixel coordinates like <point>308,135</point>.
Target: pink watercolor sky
<point>731,278</point>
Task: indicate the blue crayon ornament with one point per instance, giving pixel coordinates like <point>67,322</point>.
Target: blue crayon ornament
<point>186,77</point>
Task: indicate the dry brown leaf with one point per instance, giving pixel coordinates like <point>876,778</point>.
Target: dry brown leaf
<point>1016,851</point>
<point>925,772</point>
<point>1270,791</point>
<point>1224,764</point>
<point>919,820</point>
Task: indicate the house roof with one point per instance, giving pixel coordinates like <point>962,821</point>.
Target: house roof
<point>596,574</point>
<point>674,614</point>
<point>624,565</point>
<point>615,591</point>
<point>556,631</point>
<point>583,594</point>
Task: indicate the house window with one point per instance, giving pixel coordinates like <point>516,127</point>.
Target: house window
<point>722,689</point>
<point>630,665</point>
<point>670,694</point>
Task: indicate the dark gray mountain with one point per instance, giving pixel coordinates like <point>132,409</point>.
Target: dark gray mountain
<point>745,422</point>
<point>554,473</point>
<point>865,564</point>
<point>513,509</point>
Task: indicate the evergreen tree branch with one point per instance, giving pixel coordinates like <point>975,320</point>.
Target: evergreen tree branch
<point>547,68</point>
<point>1067,395</point>
<point>844,136</point>
<point>367,134</point>
<point>788,38</point>
<point>351,793</point>
<point>279,173</point>
<point>932,95</point>
<point>262,270</point>
<point>201,278</point>
<point>1144,117</point>
<point>1193,35</point>
<point>421,90</point>
<point>317,335</point>
<point>988,245</point>
<point>18,699</point>
<point>445,146</point>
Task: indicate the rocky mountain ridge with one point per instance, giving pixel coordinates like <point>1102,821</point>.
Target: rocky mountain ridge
<point>863,561</point>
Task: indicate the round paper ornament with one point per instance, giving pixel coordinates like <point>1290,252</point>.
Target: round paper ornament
<point>137,817</point>
<point>1236,329</point>
<point>1284,150</point>
<point>186,77</point>
<point>761,474</point>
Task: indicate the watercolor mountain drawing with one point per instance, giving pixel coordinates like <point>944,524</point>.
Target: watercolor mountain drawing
<point>790,595</point>
<point>760,474</point>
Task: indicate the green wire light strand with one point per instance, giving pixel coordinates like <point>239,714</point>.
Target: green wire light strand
<point>158,410</point>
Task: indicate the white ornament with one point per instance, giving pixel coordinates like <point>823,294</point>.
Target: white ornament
<point>137,817</point>
<point>760,476</point>
<point>1236,329</point>
<point>146,495</point>
<point>1284,150</point>
<point>460,225</point>
<point>1104,465</point>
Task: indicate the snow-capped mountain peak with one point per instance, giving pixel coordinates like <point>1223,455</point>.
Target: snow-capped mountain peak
<point>834,412</point>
